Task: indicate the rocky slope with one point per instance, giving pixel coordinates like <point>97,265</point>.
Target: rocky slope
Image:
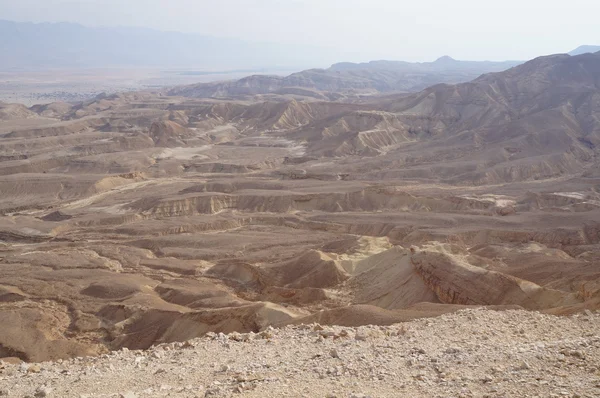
<point>471,353</point>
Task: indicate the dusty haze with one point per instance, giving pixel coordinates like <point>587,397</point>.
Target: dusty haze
<point>360,30</point>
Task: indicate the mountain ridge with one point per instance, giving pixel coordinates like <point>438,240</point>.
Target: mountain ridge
<point>351,78</point>
<point>585,49</point>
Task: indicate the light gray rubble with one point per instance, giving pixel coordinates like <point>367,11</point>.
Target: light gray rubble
<point>471,353</point>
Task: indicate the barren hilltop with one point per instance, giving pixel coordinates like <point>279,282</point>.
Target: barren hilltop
<point>152,218</point>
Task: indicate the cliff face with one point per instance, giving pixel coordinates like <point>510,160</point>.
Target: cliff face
<point>455,281</point>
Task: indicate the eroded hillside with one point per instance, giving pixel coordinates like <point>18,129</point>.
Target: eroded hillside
<point>138,219</point>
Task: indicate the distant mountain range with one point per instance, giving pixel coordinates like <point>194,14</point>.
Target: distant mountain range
<point>69,45</point>
<point>38,46</point>
<point>585,49</point>
<point>350,78</point>
<point>533,121</point>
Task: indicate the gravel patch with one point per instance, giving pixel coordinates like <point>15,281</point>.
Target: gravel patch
<point>471,353</point>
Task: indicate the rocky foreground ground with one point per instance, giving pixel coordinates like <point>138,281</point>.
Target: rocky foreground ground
<point>471,353</point>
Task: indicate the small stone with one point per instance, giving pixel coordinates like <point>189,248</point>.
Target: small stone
<point>523,366</point>
<point>128,394</point>
<point>187,344</point>
<point>42,392</point>
<point>589,313</point>
<point>34,369</point>
<point>360,337</point>
<point>487,379</point>
<point>212,392</point>
<point>577,354</point>
<point>334,353</point>
<point>327,333</point>
<point>236,337</point>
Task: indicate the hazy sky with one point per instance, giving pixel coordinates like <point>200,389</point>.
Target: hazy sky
<point>415,30</point>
